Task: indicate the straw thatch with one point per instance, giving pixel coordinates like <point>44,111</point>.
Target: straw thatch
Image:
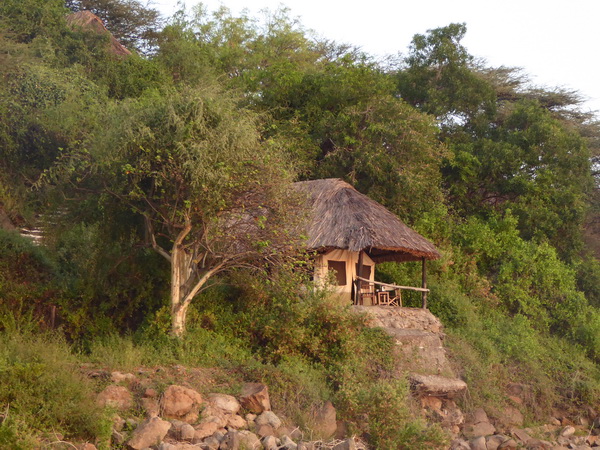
<point>343,218</point>
<point>88,21</point>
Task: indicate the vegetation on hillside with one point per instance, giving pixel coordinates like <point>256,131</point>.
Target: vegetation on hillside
<point>144,168</point>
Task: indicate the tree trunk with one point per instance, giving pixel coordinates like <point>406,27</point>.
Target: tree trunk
<point>178,280</point>
<point>185,286</point>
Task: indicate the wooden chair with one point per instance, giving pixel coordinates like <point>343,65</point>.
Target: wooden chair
<point>396,300</point>
<point>389,299</point>
<point>367,291</point>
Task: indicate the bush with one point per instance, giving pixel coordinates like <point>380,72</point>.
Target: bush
<point>45,392</point>
<point>382,408</point>
<point>26,281</point>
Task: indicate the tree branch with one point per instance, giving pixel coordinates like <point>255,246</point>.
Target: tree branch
<point>183,233</point>
<point>189,297</point>
<point>161,251</point>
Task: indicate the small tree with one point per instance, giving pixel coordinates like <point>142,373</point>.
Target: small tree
<point>212,195</point>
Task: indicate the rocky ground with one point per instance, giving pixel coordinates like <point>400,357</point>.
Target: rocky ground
<point>419,341</point>
<point>181,418</point>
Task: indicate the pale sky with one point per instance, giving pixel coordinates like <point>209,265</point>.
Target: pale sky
<point>555,42</point>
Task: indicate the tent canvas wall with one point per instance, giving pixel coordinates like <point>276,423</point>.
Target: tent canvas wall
<point>340,268</point>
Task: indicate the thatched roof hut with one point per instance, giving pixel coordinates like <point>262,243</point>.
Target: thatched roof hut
<point>88,21</point>
<point>343,218</point>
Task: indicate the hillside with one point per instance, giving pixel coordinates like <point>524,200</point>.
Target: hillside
<point>161,175</point>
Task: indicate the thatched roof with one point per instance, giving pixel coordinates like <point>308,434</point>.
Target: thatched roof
<point>343,218</point>
<point>88,21</point>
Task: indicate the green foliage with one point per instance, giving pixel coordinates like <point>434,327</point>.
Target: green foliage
<point>45,392</point>
<point>219,109</point>
<point>438,76</point>
<point>26,280</point>
<point>494,349</point>
<point>31,19</point>
<point>392,423</point>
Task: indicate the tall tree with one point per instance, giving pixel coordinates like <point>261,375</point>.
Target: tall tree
<point>513,146</point>
<point>212,195</point>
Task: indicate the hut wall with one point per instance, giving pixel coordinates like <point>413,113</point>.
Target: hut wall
<point>338,261</point>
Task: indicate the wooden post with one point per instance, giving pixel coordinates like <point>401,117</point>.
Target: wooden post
<point>424,283</point>
<point>52,316</point>
<point>358,274</point>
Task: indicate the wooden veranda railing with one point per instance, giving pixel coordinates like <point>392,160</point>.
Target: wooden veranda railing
<point>394,287</point>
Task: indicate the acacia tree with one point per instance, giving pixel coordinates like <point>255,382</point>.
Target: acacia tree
<point>134,24</point>
<point>512,146</point>
<point>211,194</point>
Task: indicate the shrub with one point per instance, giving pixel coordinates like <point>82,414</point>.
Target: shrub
<point>45,391</point>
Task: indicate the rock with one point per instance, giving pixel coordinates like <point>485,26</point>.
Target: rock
<point>87,446</point>
<point>521,435</point>
<point>478,443</point>
<point>325,420</point>
<point>151,407</point>
<point>166,446</point>
<point>118,377</point>
<point>510,444</point>
<point>204,430</point>
<point>150,393</point>
<point>249,440</point>
<point>264,430</point>
<point>187,432</point>
<point>288,444</point>
<point>255,398</point>
<point>210,414</point>
<point>250,417</point>
<point>181,403</point>
<point>118,423</point>
<point>511,416</point>
<point>341,432</point>
<point>493,442</point>
<point>452,415</point>
<point>478,429</point>
<point>306,446</point>
<point>231,441</point>
<point>148,433</point>
<point>538,444</point>
<point>433,403</point>
<point>211,443</point>
<point>219,436</point>
<point>117,397</point>
<point>437,386</point>
<point>459,444</point>
<point>592,440</point>
<point>269,443</point>
<point>478,415</point>
<point>567,431</point>
<point>348,444</point>
<point>518,390</point>
<point>226,404</point>
<point>268,418</point>
<point>175,429</point>
<point>478,424</point>
<point>117,438</point>
<point>236,421</point>
<point>292,432</point>
<point>515,399</point>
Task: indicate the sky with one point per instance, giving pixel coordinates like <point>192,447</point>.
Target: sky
<point>554,42</point>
